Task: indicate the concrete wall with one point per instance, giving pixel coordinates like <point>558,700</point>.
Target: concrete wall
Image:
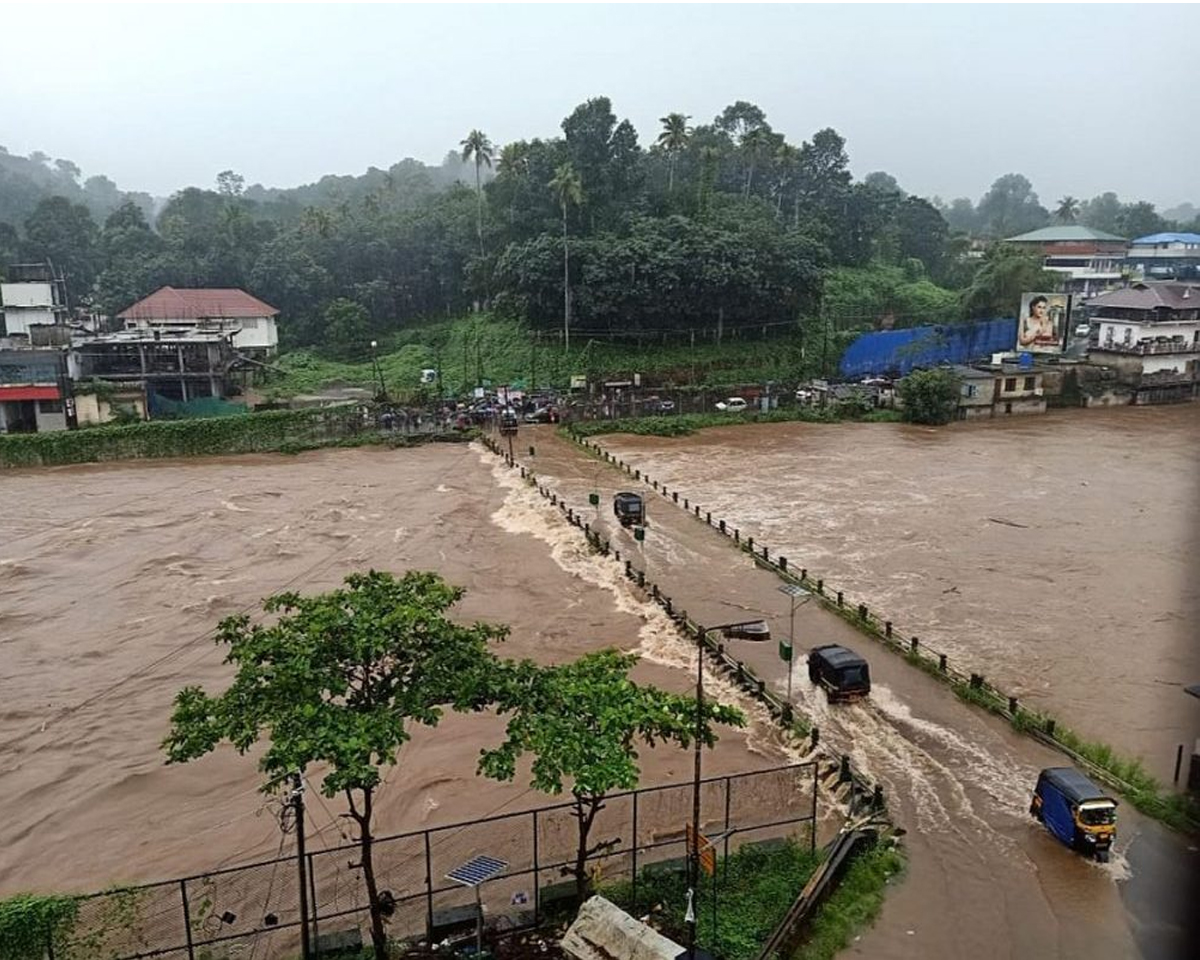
<point>90,409</point>
<point>50,416</point>
<point>18,320</point>
<point>1019,384</point>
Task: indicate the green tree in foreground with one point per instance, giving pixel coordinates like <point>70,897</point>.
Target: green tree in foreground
<point>930,396</point>
<point>583,721</point>
<point>337,681</point>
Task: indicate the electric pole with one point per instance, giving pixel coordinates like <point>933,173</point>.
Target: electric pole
<point>297,800</point>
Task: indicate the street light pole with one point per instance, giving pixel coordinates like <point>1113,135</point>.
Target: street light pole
<point>378,371</point>
<point>694,859</point>
<point>794,592</point>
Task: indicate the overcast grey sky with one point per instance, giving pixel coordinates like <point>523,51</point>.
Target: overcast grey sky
<point>1080,99</point>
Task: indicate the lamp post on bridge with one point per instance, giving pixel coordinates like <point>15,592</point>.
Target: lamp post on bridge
<point>794,592</point>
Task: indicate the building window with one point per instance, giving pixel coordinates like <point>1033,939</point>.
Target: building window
<point>50,406</point>
<point>970,390</point>
<point>1128,338</point>
<point>1029,381</point>
<point>1010,384</point>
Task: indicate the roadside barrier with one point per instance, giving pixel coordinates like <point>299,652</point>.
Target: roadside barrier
<point>971,686</point>
<point>861,796</point>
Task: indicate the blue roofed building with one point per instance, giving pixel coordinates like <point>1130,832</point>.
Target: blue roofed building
<point>1166,256</point>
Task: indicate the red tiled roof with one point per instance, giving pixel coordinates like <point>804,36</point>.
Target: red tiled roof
<point>168,303</point>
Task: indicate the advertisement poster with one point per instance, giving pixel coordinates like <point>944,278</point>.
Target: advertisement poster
<point>1042,322</point>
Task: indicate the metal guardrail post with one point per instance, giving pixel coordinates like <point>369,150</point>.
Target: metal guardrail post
<point>537,874</point>
<point>187,923</point>
<point>428,890</point>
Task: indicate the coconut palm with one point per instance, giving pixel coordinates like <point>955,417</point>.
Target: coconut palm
<point>478,147</point>
<point>787,160</point>
<point>1067,210</point>
<point>513,165</point>
<point>568,190</point>
<point>674,137</point>
<point>754,142</point>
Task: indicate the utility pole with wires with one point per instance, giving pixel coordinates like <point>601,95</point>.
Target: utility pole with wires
<point>296,801</point>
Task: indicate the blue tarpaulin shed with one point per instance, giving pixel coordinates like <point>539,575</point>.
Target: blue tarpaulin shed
<point>896,352</point>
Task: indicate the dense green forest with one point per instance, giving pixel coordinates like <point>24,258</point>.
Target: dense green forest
<point>722,228</point>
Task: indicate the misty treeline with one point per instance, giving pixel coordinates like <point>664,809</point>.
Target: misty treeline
<point>723,225</point>
<point>1012,207</point>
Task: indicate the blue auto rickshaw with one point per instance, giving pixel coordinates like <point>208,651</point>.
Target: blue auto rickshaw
<point>1076,811</point>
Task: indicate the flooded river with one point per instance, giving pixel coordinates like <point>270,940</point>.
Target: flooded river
<point>112,577</point>
<point>1055,555</point>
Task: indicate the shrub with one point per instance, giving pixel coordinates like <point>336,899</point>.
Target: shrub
<point>930,396</point>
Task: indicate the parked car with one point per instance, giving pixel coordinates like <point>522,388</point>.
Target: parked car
<point>1083,329</point>
<point>657,405</point>
<point>839,671</point>
<point>733,405</point>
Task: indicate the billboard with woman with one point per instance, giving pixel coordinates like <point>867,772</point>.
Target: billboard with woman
<point>1042,322</point>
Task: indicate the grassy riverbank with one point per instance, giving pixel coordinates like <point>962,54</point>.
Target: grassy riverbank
<point>471,350</point>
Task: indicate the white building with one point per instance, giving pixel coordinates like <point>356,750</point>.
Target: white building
<point>33,296</point>
<point>251,321</point>
<point>1150,332</point>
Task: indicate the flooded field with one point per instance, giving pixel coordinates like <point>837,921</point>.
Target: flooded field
<point>112,578</point>
<point>1055,554</point>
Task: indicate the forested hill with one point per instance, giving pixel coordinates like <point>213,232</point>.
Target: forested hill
<point>25,181</point>
<point>717,225</point>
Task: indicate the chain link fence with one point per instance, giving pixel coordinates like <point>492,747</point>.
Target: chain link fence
<point>253,912</point>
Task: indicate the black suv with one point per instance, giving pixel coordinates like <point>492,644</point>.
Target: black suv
<point>842,673</point>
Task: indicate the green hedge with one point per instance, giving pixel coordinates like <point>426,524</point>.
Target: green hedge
<point>249,433</point>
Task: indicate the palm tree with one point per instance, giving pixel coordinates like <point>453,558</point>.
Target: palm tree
<point>514,165</point>
<point>673,139</point>
<point>787,158</point>
<point>710,159</point>
<point>753,142</point>
<point>479,147</point>
<point>567,189</point>
<point>1067,210</point>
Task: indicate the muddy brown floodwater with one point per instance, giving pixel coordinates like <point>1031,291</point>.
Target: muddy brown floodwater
<point>1055,554</point>
<point>112,578</point>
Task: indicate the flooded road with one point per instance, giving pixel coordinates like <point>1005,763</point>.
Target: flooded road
<point>1055,554</point>
<point>112,578</point>
<point>984,880</point>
